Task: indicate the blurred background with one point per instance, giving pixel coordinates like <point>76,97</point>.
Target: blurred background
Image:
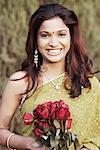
<point>14,19</point>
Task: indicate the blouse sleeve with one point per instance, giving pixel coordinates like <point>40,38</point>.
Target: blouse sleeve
<point>94,143</point>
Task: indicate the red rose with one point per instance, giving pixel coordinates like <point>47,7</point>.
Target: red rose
<point>47,105</point>
<point>41,112</point>
<point>67,113</point>
<point>61,113</point>
<point>37,132</point>
<point>68,123</point>
<point>56,103</point>
<point>53,110</point>
<point>28,118</point>
<point>63,104</point>
<point>44,114</point>
<point>42,124</point>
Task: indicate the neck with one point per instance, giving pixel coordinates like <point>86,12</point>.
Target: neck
<point>54,69</point>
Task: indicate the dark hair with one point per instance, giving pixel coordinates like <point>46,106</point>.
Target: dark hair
<point>79,67</point>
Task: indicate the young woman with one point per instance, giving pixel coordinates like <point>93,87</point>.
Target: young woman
<point>56,68</point>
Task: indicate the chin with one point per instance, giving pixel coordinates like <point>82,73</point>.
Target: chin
<point>56,60</point>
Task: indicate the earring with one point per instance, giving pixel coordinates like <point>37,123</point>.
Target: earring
<point>36,58</point>
<point>68,60</point>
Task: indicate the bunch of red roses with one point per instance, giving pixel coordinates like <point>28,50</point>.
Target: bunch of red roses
<point>52,122</point>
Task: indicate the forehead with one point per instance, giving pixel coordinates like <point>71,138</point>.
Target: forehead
<point>54,24</point>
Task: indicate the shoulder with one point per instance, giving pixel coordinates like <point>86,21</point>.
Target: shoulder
<point>95,83</point>
<point>95,88</point>
<point>17,75</point>
<point>18,82</point>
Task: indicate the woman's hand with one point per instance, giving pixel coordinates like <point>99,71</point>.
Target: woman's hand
<point>36,146</point>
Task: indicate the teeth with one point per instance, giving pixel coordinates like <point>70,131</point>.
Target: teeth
<point>54,51</point>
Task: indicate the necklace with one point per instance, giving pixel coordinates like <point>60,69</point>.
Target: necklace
<point>57,86</point>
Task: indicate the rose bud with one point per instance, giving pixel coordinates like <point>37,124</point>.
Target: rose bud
<point>48,105</point>
<point>45,113</point>
<point>61,113</point>
<point>63,104</point>
<point>41,112</point>
<point>37,132</point>
<point>43,124</point>
<point>53,109</point>
<point>28,118</point>
<point>68,123</point>
<point>67,113</point>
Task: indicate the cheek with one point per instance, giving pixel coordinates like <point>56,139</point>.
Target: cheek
<point>66,42</point>
<point>41,43</point>
<point>41,46</point>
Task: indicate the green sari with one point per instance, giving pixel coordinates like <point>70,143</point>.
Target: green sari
<point>84,110</point>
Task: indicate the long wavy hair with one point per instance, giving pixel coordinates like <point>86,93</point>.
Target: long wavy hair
<point>79,67</point>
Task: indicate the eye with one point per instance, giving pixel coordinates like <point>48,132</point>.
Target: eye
<point>44,35</point>
<point>62,34</point>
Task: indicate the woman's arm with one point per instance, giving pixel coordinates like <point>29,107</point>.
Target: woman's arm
<point>10,101</point>
<point>16,141</point>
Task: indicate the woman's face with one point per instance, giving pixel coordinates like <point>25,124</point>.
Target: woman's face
<point>53,40</point>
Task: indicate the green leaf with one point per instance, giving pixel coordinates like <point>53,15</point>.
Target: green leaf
<point>57,134</point>
<point>56,123</point>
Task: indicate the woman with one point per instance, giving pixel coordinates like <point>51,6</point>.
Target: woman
<point>57,67</point>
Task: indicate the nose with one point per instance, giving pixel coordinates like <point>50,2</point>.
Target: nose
<point>53,41</point>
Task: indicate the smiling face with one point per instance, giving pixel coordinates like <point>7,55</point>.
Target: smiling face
<point>53,40</point>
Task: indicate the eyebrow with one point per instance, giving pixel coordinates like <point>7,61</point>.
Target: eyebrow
<point>62,30</point>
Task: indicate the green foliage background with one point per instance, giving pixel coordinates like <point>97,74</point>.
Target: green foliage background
<point>14,18</point>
